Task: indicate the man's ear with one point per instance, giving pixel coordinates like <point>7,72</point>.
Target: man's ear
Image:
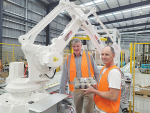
<point>114,55</point>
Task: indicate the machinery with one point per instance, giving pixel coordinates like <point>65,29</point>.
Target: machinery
<point>29,93</point>
<point>126,92</point>
<point>143,59</point>
<point>126,89</point>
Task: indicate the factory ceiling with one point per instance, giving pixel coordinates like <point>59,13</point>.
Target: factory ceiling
<point>125,15</point>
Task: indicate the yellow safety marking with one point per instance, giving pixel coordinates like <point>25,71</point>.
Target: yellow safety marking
<point>87,38</point>
<point>53,84</point>
<point>9,44</point>
<point>55,59</point>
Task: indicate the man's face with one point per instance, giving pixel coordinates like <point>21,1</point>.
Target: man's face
<point>77,48</point>
<point>107,56</point>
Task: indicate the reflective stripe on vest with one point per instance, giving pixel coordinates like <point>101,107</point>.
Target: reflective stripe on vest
<point>104,104</point>
<point>86,68</point>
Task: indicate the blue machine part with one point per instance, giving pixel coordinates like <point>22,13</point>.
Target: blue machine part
<point>123,63</point>
<point>147,66</point>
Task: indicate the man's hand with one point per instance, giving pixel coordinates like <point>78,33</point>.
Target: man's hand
<point>89,90</point>
<point>112,94</point>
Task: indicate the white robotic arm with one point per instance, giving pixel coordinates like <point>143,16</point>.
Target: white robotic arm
<point>42,60</point>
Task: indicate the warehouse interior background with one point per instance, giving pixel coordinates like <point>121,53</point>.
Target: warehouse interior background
<point>131,19</point>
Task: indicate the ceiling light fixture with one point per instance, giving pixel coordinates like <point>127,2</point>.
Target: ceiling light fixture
<point>138,8</point>
<point>125,11</point>
<point>92,18</point>
<point>89,3</point>
<point>108,14</point>
<point>98,1</point>
<point>146,7</point>
<point>101,16</point>
<point>117,13</point>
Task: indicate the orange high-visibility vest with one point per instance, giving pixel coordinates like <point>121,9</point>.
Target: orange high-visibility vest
<point>102,103</point>
<point>86,68</point>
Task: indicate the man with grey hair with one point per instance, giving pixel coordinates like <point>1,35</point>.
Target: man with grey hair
<point>79,64</point>
<point>107,96</point>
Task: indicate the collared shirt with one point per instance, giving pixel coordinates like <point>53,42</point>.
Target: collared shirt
<point>64,77</point>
